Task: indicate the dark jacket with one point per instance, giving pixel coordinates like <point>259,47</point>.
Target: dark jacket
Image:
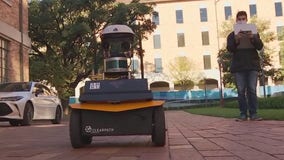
<point>244,59</point>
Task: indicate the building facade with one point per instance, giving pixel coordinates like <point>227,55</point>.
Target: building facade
<point>191,28</point>
<point>14,41</point>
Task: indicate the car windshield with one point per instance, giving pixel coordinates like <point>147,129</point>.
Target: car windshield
<point>15,87</point>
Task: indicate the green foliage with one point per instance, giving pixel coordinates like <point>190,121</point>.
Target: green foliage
<point>271,102</point>
<point>269,108</point>
<point>65,37</point>
<point>184,84</point>
<point>281,54</point>
<point>215,111</point>
<point>182,70</point>
<point>268,114</point>
<point>280,77</point>
<point>263,103</point>
<point>263,28</point>
<point>135,16</point>
<point>225,59</point>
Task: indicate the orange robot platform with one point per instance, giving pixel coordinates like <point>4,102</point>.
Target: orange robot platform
<point>117,107</point>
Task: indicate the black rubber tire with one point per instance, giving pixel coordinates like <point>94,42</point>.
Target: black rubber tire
<point>58,116</point>
<point>87,140</point>
<point>159,127</point>
<point>28,114</point>
<point>15,122</point>
<point>76,137</point>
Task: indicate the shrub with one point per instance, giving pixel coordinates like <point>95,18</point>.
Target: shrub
<point>263,103</point>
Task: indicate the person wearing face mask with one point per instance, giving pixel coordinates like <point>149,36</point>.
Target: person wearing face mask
<point>245,66</point>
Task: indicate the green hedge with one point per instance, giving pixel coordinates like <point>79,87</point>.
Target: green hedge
<point>267,103</point>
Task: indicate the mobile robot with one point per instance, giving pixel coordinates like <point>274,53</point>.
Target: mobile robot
<point>117,105</point>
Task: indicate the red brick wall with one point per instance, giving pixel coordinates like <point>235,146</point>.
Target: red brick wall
<point>25,17</point>
<point>13,62</point>
<point>9,14</point>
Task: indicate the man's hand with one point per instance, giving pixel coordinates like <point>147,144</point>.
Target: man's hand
<point>249,35</point>
<point>239,36</point>
<point>244,34</point>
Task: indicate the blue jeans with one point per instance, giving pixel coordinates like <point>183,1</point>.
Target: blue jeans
<point>246,82</point>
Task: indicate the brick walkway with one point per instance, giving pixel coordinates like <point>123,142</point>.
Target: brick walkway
<point>190,137</point>
<point>202,137</point>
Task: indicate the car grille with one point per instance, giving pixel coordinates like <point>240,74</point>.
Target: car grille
<point>5,109</point>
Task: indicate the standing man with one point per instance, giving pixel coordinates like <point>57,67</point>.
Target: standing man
<point>245,66</point>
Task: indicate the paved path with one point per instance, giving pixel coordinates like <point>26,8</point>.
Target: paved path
<point>202,137</point>
<point>190,137</point>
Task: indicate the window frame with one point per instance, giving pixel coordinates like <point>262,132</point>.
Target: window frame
<point>4,51</point>
<point>157,41</point>
<point>158,65</point>
<point>180,40</point>
<point>179,16</point>
<point>280,33</point>
<point>252,10</point>
<point>278,9</point>
<point>156,18</point>
<point>135,65</point>
<point>205,38</point>
<point>207,62</point>
<point>203,14</point>
<point>228,12</point>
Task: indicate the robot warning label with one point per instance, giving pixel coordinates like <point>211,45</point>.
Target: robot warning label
<point>90,130</point>
<point>95,85</point>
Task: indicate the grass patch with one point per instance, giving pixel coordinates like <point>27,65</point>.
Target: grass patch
<point>263,103</point>
<point>268,114</point>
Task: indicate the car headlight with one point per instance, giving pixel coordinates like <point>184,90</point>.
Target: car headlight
<point>15,98</point>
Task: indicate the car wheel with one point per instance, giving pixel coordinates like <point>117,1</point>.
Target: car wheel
<point>28,115</point>
<point>14,122</point>
<point>58,116</point>
<point>159,129</point>
<point>76,137</point>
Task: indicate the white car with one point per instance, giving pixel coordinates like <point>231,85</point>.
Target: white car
<point>23,102</point>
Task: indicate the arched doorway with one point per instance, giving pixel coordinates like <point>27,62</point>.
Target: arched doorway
<point>208,84</point>
<point>160,86</point>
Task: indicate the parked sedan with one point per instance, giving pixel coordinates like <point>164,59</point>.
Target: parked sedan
<point>23,102</point>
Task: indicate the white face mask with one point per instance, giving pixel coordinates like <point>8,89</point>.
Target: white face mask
<point>242,22</point>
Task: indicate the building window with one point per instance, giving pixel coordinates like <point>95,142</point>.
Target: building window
<point>205,37</point>
<point>252,10</point>
<point>155,18</point>
<point>228,12</point>
<point>278,9</point>
<point>280,33</point>
<point>3,60</point>
<point>203,14</point>
<point>180,38</point>
<point>179,16</point>
<point>157,41</point>
<point>158,65</point>
<point>134,65</point>
<point>207,61</point>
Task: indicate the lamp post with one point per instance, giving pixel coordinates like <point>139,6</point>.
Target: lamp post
<point>221,80</point>
<point>262,71</point>
<point>217,27</point>
<point>140,51</point>
<point>219,60</point>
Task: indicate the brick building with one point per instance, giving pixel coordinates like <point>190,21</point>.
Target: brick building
<point>14,41</point>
